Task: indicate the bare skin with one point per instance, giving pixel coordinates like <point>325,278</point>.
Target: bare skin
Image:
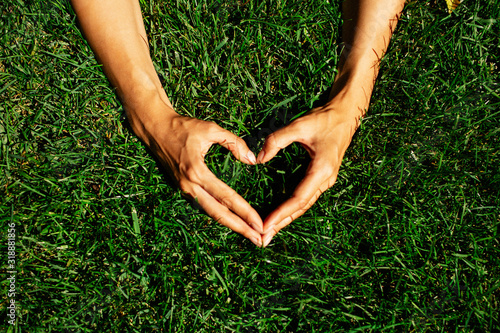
<point>115,31</point>
<point>326,132</point>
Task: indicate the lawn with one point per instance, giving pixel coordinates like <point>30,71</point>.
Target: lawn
<point>406,241</point>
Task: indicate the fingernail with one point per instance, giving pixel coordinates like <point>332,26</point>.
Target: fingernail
<point>257,228</point>
<point>261,155</point>
<point>267,239</point>
<point>257,241</point>
<point>251,157</point>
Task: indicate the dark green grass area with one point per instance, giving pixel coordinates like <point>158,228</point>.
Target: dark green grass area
<point>406,240</point>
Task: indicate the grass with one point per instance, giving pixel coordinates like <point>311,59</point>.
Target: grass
<point>407,239</point>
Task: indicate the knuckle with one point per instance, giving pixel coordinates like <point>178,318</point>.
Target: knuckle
<point>239,141</point>
<point>212,127</point>
<point>272,140</point>
<point>190,173</point>
<point>271,136</point>
<point>232,143</point>
<point>328,170</point>
<point>186,188</point>
<point>299,124</point>
<point>302,203</point>
<point>329,184</point>
<point>217,217</point>
<point>226,201</point>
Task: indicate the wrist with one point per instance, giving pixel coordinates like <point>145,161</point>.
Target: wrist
<point>350,99</point>
<point>145,114</point>
<point>354,84</point>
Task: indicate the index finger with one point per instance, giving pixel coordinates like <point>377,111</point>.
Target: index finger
<point>225,216</point>
<point>232,200</point>
<point>317,180</point>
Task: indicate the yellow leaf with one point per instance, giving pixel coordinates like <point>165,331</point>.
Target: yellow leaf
<point>452,4</point>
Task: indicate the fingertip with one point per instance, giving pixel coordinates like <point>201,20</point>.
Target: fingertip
<point>260,157</point>
<point>257,228</point>
<point>254,220</point>
<point>237,146</point>
<point>253,236</point>
<point>272,221</point>
<point>274,143</point>
<point>266,154</point>
<point>257,241</point>
<point>250,156</point>
<point>266,239</point>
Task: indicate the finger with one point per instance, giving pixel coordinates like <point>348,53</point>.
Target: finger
<point>235,145</point>
<point>233,201</point>
<point>199,175</point>
<point>272,230</point>
<point>319,178</point>
<point>224,216</point>
<point>277,141</point>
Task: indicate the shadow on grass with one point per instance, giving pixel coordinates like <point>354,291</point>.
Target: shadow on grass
<point>283,173</point>
<point>287,169</point>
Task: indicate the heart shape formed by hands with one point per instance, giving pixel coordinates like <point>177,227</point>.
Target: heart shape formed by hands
<point>264,186</point>
<point>325,135</point>
<point>180,143</point>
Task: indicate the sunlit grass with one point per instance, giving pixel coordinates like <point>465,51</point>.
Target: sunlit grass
<point>407,240</point>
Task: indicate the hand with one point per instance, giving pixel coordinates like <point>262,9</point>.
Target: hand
<point>181,144</point>
<point>325,133</point>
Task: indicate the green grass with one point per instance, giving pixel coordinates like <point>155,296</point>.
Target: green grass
<point>407,239</point>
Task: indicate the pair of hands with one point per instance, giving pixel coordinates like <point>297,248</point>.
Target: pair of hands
<point>181,144</point>
<point>116,33</point>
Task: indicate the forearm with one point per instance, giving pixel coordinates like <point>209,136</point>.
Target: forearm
<point>366,32</point>
<point>115,31</point>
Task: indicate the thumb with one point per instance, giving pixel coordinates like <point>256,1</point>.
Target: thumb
<point>277,141</point>
<point>236,146</point>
